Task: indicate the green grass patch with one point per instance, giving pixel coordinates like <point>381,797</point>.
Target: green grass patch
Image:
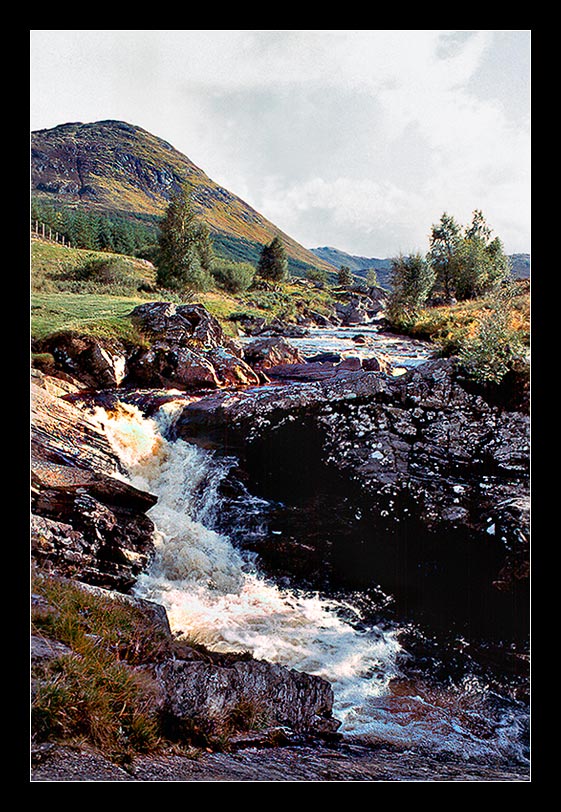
<point>97,693</point>
<point>101,315</point>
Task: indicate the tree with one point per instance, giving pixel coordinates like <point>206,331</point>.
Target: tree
<point>345,277</point>
<point>273,264</point>
<point>182,247</point>
<point>467,264</point>
<point>372,278</point>
<point>495,346</point>
<point>318,276</point>
<point>412,279</point>
<point>444,240</point>
<point>233,276</point>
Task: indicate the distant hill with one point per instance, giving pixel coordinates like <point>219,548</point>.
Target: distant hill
<point>358,265</point>
<point>116,168</point>
<point>361,265</point>
<point>520,265</point>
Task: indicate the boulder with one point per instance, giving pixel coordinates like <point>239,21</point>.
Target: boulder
<point>201,690</point>
<point>176,367</point>
<point>271,352</point>
<point>95,362</point>
<point>231,370</point>
<point>187,324</point>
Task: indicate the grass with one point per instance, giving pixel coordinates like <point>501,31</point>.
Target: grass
<point>93,292</point>
<point>450,325</point>
<point>103,692</point>
<point>98,693</point>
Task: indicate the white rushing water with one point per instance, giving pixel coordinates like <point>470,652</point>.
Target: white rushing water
<point>212,592</point>
<point>214,595</point>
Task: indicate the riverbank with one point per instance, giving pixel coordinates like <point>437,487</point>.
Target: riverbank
<point>340,763</point>
<point>231,567</point>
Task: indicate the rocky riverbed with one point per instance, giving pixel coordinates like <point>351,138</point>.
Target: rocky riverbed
<point>359,514</point>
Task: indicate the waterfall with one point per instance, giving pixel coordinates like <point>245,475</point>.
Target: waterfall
<point>215,595</point>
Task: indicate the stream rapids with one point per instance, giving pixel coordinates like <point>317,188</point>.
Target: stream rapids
<point>215,593</point>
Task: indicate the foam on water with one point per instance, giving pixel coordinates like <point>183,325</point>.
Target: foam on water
<point>212,591</point>
<point>213,594</point>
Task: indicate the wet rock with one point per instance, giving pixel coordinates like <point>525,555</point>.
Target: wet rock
<point>95,362</point>
<point>231,370</point>
<point>287,697</point>
<point>419,450</point>
<point>175,367</point>
<point>86,521</point>
<point>271,352</point>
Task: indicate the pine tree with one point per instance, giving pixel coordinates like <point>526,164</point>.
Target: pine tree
<point>179,265</point>
<point>273,264</point>
<point>345,277</point>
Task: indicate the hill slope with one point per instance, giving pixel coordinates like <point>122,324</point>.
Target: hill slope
<point>116,167</point>
<point>358,265</point>
<point>520,264</point>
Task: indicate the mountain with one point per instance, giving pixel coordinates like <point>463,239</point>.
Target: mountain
<point>358,265</point>
<point>117,168</point>
<point>520,264</point>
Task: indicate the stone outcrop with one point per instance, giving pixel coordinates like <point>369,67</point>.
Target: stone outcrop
<point>86,523</point>
<point>96,363</point>
<point>271,352</point>
<point>184,348</point>
<point>198,686</point>
<point>284,697</point>
<point>361,308</point>
<point>418,450</point>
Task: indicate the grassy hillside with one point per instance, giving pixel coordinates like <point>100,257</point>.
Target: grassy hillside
<point>93,292</point>
<point>112,166</point>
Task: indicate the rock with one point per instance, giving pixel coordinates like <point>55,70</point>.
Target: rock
<point>175,324</point>
<point>323,358</point>
<point>271,352</point>
<point>201,690</point>
<point>304,372</point>
<point>419,450</point>
<point>86,522</point>
<point>43,650</point>
<point>95,362</point>
<point>231,370</point>
<point>188,351</point>
<point>378,363</point>
<point>174,367</point>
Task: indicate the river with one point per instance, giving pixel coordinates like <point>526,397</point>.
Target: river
<point>216,594</point>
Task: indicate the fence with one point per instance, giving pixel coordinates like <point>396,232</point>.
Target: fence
<point>45,232</point>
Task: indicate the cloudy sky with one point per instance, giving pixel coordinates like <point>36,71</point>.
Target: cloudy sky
<point>356,139</point>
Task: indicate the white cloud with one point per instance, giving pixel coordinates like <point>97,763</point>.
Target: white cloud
<point>359,136</point>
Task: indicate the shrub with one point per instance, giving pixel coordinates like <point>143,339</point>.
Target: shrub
<point>233,277</point>
<point>493,349</point>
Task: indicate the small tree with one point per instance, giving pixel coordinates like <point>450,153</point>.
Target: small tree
<point>181,262</point>
<point>444,240</point>
<point>469,264</point>
<point>345,277</point>
<point>493,349</point>
<point>317,276</point>
<point>233,276</point>
<point>372,278</point>
<point>412,279</point>
<point>273,263</point>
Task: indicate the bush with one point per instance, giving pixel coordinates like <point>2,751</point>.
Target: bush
<point>495,347</point>
<point>233,277</point>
